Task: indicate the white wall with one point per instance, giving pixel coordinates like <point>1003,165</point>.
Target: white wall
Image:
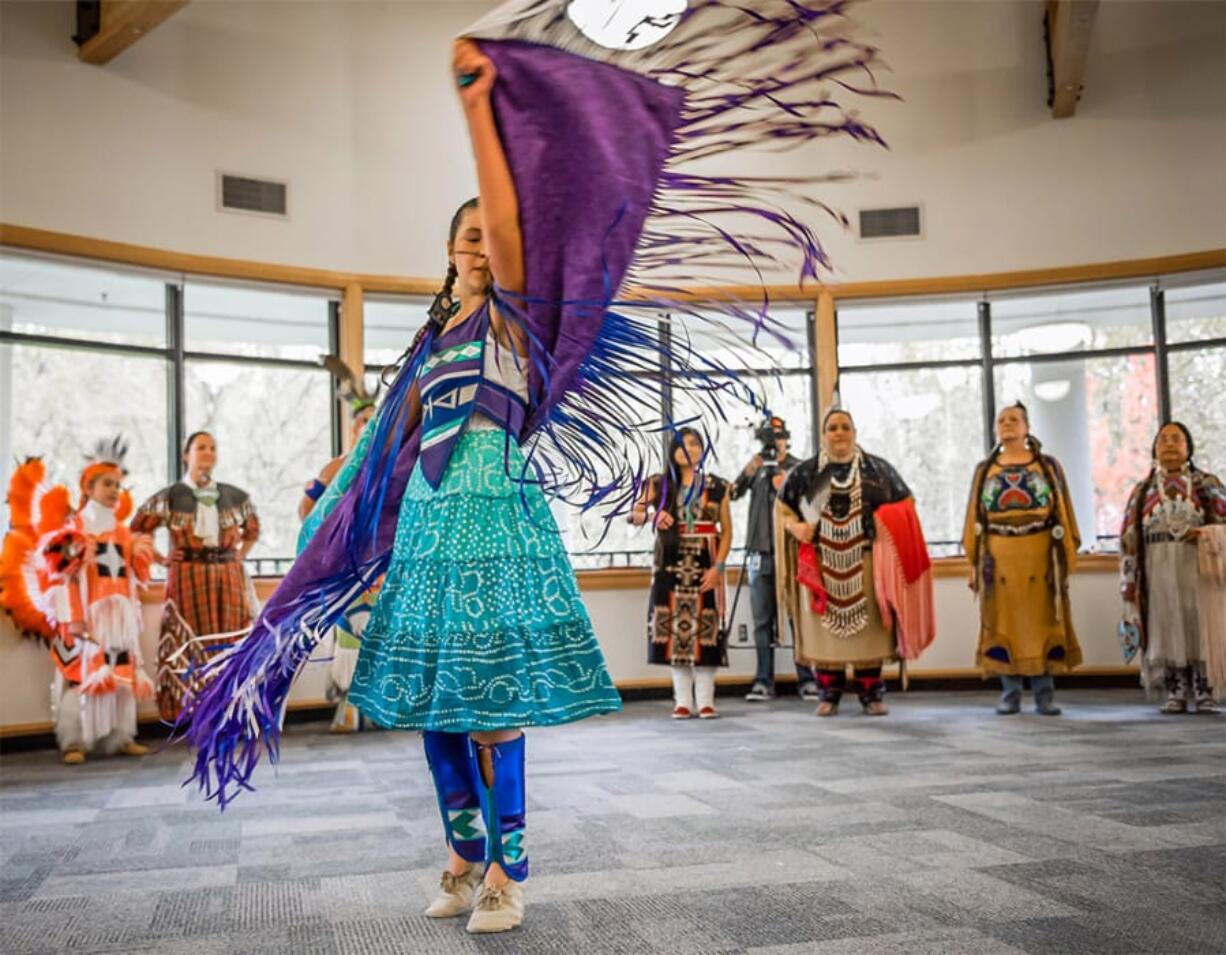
<point>350,103</point>
<point>619,620</point>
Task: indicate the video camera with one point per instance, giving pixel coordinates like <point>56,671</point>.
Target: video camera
<point>767,433</point>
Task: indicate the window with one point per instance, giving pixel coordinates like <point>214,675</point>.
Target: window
<point>1096,414</point>
<point>780,341</point>
<point>1197,399</point>
<point>253,380</point>
<point>594,542</point>
<point>273,428</point>
<point>1195,313</point>
<point>775,376</point>
<point>1098,417</point>
<point>888,333</point>
<point>49,297</point>
<point>926,422</point>
<point>56,403</point>
<point>254,322</point>
<point>912,379</point>
<point>390,324</point>
<point>89,350</point>
<point>79,361</point>
<point>1079,320</point>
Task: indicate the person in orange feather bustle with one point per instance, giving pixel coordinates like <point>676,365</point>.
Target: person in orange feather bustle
<point>72,578</point>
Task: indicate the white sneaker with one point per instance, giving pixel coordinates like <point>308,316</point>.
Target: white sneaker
<point>456,894</point>
<point>498,909</point>
<point>759,693</point>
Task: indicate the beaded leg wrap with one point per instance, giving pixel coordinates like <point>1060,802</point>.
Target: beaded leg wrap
<point>1201,689</point>
<point>870,687</point>
<point>831,684</point>
<point>1176,683</point>
<point>457,782</point>
<point>505,808</point>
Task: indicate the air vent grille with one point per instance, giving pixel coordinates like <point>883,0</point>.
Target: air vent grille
<point>890,223</point>
<point>245,194</point>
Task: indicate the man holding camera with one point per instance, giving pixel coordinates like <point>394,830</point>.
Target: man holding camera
<point>762,478</point>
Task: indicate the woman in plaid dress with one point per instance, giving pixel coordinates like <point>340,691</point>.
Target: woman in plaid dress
<point>212,527</point>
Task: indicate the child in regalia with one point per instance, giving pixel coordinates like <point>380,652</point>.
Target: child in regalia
<point>72,578</point>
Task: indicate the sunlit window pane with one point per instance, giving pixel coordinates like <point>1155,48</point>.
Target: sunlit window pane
<point>892,332</point>
<point>735,342</point>
<point>1195,312</point>
<point>1067,321</point>
<point>594,540</point>
<point>733,444</point>
<point>1098,416</point>
<point>928,423</point>
<point>56,403</point>
<point>237,320</point>
<point>390,326</point>
<point>1198,400</point>
<point>273,428</point>
<point>49,297</point>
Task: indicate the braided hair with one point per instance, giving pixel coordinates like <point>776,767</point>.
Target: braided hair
<point>444,305</point>
<point>1151,479</point>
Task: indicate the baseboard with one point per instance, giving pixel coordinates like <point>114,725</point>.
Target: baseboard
<point>24,737</point>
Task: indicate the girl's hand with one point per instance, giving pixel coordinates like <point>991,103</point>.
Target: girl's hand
<point>711,579</point>
<point>802,532</point>
<point>664,520</point>
<point>473,71</point>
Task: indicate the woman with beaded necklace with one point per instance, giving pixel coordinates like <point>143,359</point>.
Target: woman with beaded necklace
<point>1021,538</point>
<point>1158,571</point>
<point>825,511</point>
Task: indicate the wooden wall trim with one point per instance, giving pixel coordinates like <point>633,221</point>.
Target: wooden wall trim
<point>351,349</point>
<point>1033,278</point>
<point>122,253</point>
<point>143,256</point>
<point>826,356</point>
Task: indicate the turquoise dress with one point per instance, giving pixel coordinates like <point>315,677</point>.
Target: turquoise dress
<point>479,625</point>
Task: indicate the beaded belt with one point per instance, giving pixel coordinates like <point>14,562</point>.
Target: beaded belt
<point>204,555</point>
<point>1162,537</point>
<point>1019,530</point>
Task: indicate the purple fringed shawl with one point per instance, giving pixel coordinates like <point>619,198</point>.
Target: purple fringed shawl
<point>592,149</point>
<point>586,143</point>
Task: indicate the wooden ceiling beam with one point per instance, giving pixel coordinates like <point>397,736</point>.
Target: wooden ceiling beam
<point>1070,24</point>
<point>123,22</point>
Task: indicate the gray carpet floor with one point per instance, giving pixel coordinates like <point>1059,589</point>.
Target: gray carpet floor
<point>939,829</point>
